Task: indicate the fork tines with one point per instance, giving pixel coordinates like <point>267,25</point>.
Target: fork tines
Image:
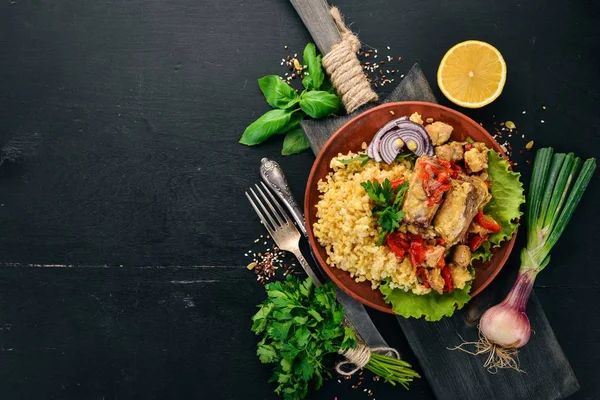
<point>280,218</point>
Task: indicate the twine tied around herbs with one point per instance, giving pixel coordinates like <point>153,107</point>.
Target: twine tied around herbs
<point>346,73</point>
<point>359,357</point>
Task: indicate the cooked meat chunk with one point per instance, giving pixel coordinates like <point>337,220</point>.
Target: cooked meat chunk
<point>435,279</point>
<point>460,276</point>
<point>416,118</point>
<point>452,151</point>
<point>433,256</point>
<point>464,198</point>
<point>439,132</point>
<point>461,257</point>
<point>476,158</point>
<point>415,204</point>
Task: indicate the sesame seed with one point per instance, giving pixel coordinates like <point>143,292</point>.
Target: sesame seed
<point>542,121</point>
<point>524,112</point>
<point>388,47</point>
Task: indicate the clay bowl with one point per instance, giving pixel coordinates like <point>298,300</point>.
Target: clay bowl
<point>349,138</point>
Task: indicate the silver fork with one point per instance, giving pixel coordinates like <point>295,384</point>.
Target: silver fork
<point>280,226</point>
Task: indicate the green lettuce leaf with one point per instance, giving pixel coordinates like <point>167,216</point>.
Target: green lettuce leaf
<point>507,197</point>
<point>432,306</point>
<point>483,253</point>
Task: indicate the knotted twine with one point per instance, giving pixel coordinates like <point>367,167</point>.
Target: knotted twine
<point>343,67</point>
<point>360,356</point>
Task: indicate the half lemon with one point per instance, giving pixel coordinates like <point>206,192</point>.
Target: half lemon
<point>472,74</point>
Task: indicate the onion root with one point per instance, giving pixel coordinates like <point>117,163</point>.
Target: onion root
<point>498,357</point>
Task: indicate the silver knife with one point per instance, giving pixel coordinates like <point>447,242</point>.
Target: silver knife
<point>356,314</point>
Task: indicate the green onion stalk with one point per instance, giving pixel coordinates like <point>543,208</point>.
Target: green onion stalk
<point>557,185</point>
<point>388,366</point>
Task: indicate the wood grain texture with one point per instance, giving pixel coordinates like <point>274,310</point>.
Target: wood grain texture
<point>139,105</point>
<point>317,19</point>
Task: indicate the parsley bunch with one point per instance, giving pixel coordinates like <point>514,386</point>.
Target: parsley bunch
<point>387,203</point>
<point>300,325</point>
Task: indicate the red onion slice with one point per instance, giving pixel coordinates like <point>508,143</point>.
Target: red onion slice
<point>384,147</point>
<point>388,148</point>
<point>374,145</point>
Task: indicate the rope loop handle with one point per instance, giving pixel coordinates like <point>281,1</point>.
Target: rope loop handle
<point>342,65</point>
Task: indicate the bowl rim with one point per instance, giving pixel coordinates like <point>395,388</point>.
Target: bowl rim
<point>314,245</point>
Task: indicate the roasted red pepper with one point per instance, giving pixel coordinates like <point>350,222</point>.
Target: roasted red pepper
<point>447,275</point>
<point>476,241</point>
<point>456,170</point>
<point>436,180</point>
<point>487,222</point>
<point>397,243</point>
<point>397,183</point>
<point>437,195</point>
<point>416,249</point>
<point>443,177</point>
<point>441,263</point>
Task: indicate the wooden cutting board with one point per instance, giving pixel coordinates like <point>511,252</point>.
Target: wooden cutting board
<point>454,375</point>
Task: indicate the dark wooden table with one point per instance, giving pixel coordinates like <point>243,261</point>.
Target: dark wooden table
<point>124,228</point>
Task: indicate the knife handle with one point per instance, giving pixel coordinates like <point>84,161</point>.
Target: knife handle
<point>317,19</point>
<point>273,176</point>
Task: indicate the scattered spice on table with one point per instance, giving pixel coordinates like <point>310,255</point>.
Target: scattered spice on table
<point>266,261</point>
<point>379,73</point>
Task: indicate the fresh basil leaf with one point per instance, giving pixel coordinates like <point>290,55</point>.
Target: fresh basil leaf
<point>314,79</point>
<point>295,142</point>
<point>294,122</point>
<point>319,104</point>
<point>278,93</point>
<point>265,126</point>
<point>327,86</point>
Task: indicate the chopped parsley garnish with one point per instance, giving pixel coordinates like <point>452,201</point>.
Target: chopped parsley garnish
<point>387,199</point>
<point>363,158</point>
